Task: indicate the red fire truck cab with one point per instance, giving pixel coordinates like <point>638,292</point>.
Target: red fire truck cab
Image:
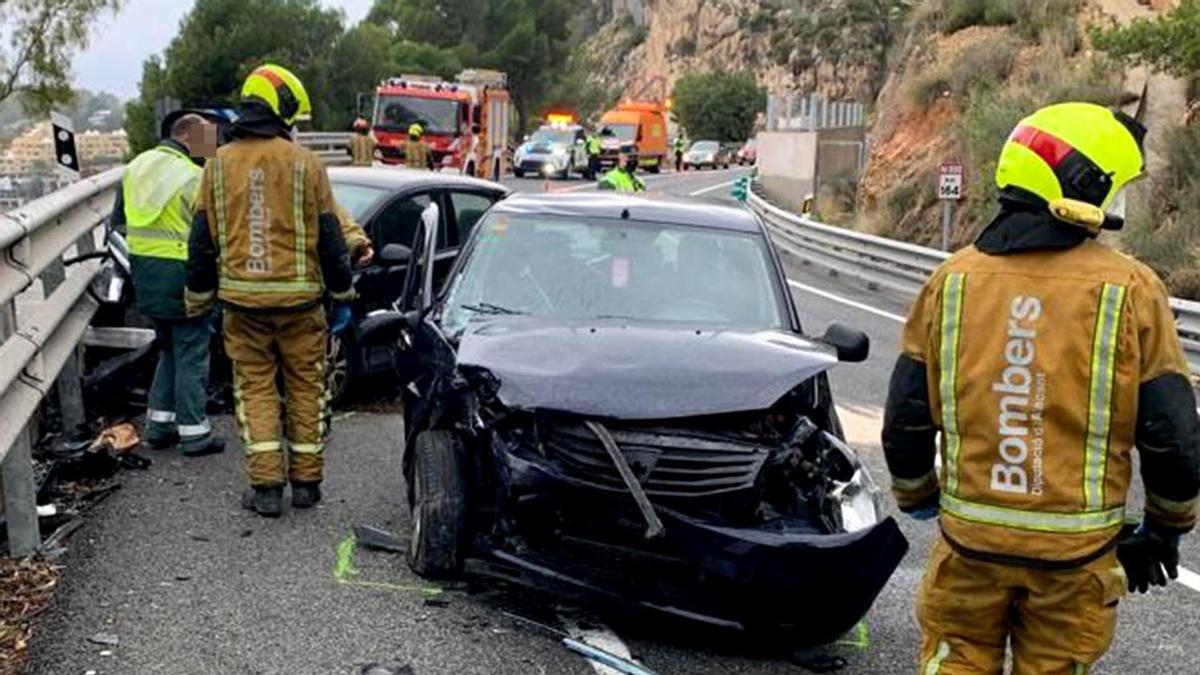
<point>465,121</point>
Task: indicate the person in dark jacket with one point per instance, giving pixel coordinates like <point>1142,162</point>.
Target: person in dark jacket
<point>154,208</point>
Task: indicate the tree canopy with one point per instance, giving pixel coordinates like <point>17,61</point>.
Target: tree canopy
<point>719,106</point>
<point>42,36</point>
<point>1170,42</point>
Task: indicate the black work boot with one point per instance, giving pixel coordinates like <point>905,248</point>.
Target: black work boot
<point>162,442</point>
<point>214,446</point>
<point>265,501</point>
<point>305,495</point>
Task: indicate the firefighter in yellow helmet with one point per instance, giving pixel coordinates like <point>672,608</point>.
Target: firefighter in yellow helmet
<point>362,144</point>
<point>266,243</point>
<point>416,152</point>
<point>1043,358</point>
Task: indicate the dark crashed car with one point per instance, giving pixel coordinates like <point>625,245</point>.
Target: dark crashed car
<point>612,399</point>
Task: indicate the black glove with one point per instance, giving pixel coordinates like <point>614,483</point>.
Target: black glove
<point>1150,556</point>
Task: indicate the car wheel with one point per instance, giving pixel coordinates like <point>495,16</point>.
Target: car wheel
<point>656,168</point>
<point>339,369</point>
<point>439,506</point>
<point>518,173</point>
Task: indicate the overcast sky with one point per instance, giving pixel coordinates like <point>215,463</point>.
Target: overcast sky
<point>121,43</point>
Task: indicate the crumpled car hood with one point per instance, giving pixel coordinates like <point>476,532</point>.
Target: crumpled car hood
<point>638,371</point>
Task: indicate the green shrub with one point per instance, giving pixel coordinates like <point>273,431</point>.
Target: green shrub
<point>984,65</point>
<point>1164,229</point>
<point>927,88</point>
<point>1032,18</point>
<point>685,47</point>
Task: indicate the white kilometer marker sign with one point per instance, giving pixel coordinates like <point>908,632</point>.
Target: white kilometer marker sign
<point>1186,577</point>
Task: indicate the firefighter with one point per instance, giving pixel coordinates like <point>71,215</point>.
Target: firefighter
<point>154,207</point>
<point>1043,357</point>
<point>266,243</point>
<point>592,145</point>
<point>679,146</point>
<point>623,177</point>
<point>362,144</point>
<point>416,151</point>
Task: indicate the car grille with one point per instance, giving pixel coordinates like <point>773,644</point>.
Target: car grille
<point>667,462</point>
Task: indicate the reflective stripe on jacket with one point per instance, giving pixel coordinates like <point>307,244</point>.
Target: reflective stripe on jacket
<point>262,200</point>
<point>159,194</point>
<point>1039,368</point>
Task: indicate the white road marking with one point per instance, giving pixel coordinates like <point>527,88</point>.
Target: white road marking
<point>711,188</point>
<point>845,301</point>
<point>601,637</point>
<point>1186,577</point>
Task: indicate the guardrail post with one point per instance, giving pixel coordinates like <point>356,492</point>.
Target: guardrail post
<point>16,474</point>
<point>69,386</point>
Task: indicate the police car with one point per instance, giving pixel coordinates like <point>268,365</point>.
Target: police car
<point>553,150</point>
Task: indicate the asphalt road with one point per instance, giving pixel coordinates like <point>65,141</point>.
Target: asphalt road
<point>192,584</point>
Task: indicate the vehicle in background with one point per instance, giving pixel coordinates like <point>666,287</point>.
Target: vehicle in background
<point>465,121</point>
<point>557,148</point>
<point>747,155</point>
<point>388,204</point>
<point>707,154</point>
<point>612,398</point>
<point>635,127</point>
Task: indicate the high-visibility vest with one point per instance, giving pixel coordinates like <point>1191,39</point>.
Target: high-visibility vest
<point>593,146</point>
<point>622,181</point>
<point>159,192</point>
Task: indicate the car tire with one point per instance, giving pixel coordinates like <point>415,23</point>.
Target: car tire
<point>518,173</point>
<point>439,505</point>
<point>339,369</point>
<point>657,167</point>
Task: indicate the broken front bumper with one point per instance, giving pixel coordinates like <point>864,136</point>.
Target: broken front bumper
<point>781,577</point>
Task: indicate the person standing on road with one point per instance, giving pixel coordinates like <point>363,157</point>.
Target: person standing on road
<point>592,145</point>
<point>1043,357</point>
<point>266,243</point>
<point>679,146</point>
<point>623,177</point>
<point>362,144</point>
<point>154,207</point>
<point>416,151</point>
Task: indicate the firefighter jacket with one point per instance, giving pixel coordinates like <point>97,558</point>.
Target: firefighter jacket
<point>1043,358</point>
<point>353,233</point>
<point>266,234</point>
<point>417,155</point>
<point>154,209</point>
<point>362,149</point>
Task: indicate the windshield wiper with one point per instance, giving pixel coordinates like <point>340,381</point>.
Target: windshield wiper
<point>490,308</point>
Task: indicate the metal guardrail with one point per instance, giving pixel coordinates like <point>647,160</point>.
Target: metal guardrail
<point>329,146</point>
<point>897,266</point>
<point>40,338</point>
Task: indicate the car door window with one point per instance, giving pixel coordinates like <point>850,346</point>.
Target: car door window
<point>468,207</point>
<point>398,221</point>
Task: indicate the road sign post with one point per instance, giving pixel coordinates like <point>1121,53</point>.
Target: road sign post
<point>950,191</point>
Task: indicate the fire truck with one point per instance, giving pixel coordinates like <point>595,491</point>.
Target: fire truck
<point>465,121</point>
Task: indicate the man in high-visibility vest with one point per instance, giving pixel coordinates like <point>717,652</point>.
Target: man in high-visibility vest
<point>362,144</point>
<point>416,152</point>
<point>267,243</point>
<point>679,146</point>
<point>623,177</point>
<point>593,148</point>
<point>154,207</point>
<point>1043,357</point>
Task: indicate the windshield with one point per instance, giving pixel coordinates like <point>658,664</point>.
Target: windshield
<point>358,200</point>
<point>625,132</point>
<point>437,115</point>
<point>706,146</point>
<point>563,136</point>
<point>569,268</point>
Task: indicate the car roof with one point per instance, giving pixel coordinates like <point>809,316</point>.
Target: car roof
<point>394,178</point>
<point>670,210</point>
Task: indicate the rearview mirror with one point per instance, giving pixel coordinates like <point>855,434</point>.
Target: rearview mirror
<point>853,346</point>
<point>395,254</point>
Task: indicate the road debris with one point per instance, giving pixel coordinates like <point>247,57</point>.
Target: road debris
<point>389,668</point>
<point>26,588</point>
<point>344,572</point>
<point>106,639</point>
<point>578,646</point>
<point>380,540</point>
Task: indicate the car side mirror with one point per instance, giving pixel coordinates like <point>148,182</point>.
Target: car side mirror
<point>395,254</point>
<point>852,346</point>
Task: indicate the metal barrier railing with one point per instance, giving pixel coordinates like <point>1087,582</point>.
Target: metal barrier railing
<point>329,146</point>
<point>897,266</point>
<point>41,334</point>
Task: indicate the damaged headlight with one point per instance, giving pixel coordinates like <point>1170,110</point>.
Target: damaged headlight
<point>859,501</point>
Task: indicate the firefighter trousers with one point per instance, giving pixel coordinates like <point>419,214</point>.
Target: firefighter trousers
<point>1057,622</point>
<point>267,349</point>
<point>179,392</point>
